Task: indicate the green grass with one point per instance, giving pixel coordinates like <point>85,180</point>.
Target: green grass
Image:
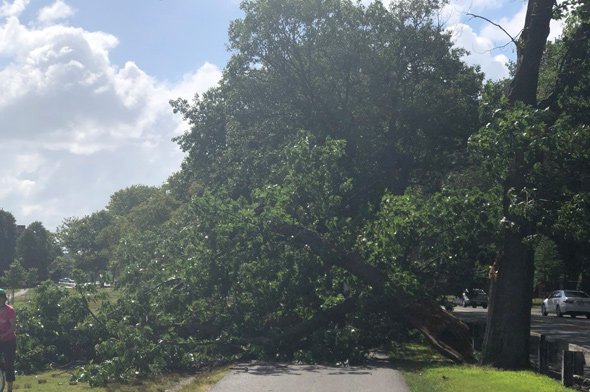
<point>111,294</point>
<point>456,378</point>
<point>21,299</point>
<point>426,371</point>
<point>58,381</point>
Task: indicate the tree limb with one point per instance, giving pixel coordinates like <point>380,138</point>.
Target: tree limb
<point>447,334</point>
<point>495,24</point>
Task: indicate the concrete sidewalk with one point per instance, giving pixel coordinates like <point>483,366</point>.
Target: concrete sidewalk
<point>310,378</point>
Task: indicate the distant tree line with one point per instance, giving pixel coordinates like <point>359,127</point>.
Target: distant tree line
<point>27,253</point>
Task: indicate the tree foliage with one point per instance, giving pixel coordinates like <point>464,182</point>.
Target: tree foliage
<point>36,249</point>
<point>379,79</point>
<point>7,239</point>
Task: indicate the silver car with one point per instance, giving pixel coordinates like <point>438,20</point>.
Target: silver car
<point>572,302</point>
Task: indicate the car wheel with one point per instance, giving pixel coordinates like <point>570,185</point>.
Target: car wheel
<point>558,311</point>
<point>588,315</point>
<point>474,306</point>
<point>572,315</point>
<point>543,310</point>
<point>485,306</point>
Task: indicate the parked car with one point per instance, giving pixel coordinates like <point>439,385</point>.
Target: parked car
<point>572,302</point>
<point>473,298</point>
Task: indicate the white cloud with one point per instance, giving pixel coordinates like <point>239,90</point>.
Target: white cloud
<point>513,25</point>
<point>14,8</point>
<point>74,128</point>
<point>56,11</point>
<point>480,50</point>
<point>455,12</point>
<point>197,81</point>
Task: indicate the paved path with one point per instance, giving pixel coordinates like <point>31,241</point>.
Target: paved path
<point>311,378</point>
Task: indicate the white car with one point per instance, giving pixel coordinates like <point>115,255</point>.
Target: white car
<point>572,302</point>
<point>67,282</point>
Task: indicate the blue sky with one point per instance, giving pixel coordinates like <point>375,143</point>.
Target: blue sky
<point>168,38</point>
<point>165,38</point>
<point>85,88</point>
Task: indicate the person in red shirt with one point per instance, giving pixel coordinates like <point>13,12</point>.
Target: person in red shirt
<point>7,338</point>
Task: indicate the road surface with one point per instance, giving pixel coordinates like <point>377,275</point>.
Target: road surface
<point>311,378</point>
<point>574,331</point>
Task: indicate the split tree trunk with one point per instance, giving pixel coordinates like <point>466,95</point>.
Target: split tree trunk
<point>506,341</point>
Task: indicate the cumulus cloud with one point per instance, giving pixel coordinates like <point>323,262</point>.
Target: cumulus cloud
<point>56,11</point>
<point>480,50</point>
<point>74,127</point>
<point>14,8</point>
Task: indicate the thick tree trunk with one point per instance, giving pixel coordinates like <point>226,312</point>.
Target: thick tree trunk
<point>506,342</point>
<point>447,334</point>
<point>530,52</point>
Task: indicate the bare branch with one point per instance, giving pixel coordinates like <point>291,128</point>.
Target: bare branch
<point>495,24</point>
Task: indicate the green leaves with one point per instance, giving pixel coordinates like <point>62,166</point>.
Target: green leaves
<point>573,220</point>
<point>379,80</point>
<point>510,132</point>
<point>435,244</point>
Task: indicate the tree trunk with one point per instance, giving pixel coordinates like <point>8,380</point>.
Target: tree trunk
<point>506,341</point>
<point>530,52</point>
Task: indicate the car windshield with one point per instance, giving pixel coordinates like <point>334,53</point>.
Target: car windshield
<point>576,294</point>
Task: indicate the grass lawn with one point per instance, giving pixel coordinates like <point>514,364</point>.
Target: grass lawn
<point>426,371</point>
<point>454,378</point>
<point>58,381</point>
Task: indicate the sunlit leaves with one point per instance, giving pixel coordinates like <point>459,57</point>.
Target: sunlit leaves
<point>437,242</point>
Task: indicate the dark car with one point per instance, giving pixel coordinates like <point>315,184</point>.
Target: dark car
<point>473,298</point>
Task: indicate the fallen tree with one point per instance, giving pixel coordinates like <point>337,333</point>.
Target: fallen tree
<point>448,335</point>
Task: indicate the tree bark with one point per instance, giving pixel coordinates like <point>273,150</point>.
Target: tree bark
<point>506,341</point>
<point>530,52</point>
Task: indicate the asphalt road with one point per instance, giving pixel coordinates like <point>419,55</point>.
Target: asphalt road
<point>310,378</point>
<point>575,331</point>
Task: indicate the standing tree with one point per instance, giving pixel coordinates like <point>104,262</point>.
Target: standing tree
<point>36,249</point>
<point>548,265</point>
<point>87,242</point>
<point>7,239</point>
<point>525,134</point>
